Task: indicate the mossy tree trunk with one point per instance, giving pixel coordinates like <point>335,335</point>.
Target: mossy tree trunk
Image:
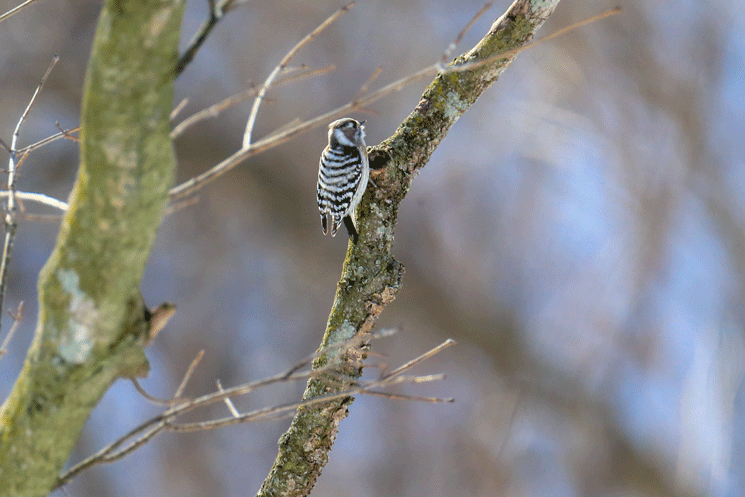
<point>92,324</point>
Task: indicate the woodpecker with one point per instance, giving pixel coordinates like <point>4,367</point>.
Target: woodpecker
<point>343,174</point>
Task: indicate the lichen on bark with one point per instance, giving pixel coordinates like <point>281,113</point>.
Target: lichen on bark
<point>93,325</point>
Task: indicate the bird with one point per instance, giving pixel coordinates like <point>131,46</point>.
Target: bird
<point>343,174</point>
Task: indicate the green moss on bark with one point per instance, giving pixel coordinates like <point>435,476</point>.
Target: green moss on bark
<point>92,324</point>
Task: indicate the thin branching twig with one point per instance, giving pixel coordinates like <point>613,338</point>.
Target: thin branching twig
<point>451,47</point>
<point>272,412</point>
<point>218,9</point>
<point>62,134</point>
<point>65,133</point>
<point>415,398</point>
<point>187,375</point>
<point>511,53</point>
<point>39,218</point>
<point>13,163</point>
<point>15,10</point>
<point>228,402</point>
<point>215,109</point>
<point>36,197</point>
<point>277,138</point>
<point>281,66</point>
<point>447,343</point>
<point>143,433</point>
<point>365,86</point>
<point>392,378</point>
<point>151,398</point>
<point>177,110</point>
<point>17,317</point>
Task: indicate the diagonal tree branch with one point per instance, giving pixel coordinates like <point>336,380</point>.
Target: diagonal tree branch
<point>218,9</point>
<point>15,10</point>
<point>371,276</point>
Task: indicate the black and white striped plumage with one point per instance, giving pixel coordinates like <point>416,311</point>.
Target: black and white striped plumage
<point>342,176</point>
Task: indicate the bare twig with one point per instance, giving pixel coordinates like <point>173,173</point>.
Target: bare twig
<point>62,134</point>
<point>10,220</point>
<point>281,66</point>
<point>444,345</point>
<point>366,85</point>
<point>451,47</point>
<point>15,10</point>
<point>155,400</point>
<point>261,414</point>
<point>286,126</point>
<point>177,110</point>
<point>416,398</point>
<point>26,112</point>
<point>272,412</point>
<point>16,321</point>
<point>228,402</point>
<point>174,207</point>
<point>189,372</point>
<point>141,434</point>
<point>21,160</point>
<point>39,218</point>
<point>511,53</point>
<point>218,9</point>
<point>276,139</point>
<point>214,110</point>
<point>112,452</point>
<point>211,111</point>
<point>131,441</point>
<point>37,197</point>
<point>65,133</point>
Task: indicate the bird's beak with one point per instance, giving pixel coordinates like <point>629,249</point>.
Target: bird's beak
<point>362,123</point>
